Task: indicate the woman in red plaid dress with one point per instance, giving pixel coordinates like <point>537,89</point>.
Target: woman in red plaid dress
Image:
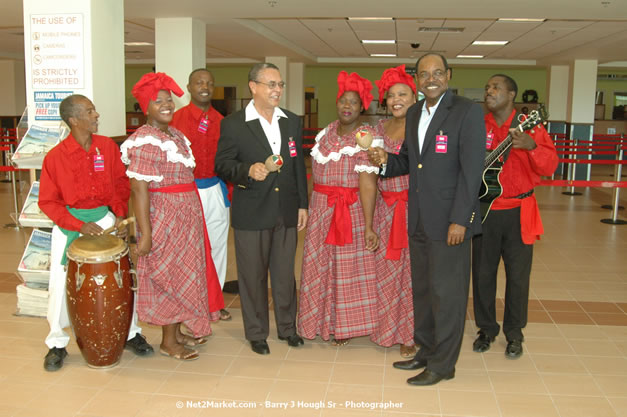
<point>395,311</point>
<point>172,248</point>
<point>338,281</point>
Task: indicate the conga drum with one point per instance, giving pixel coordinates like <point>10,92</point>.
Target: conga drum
<point>99,297</point>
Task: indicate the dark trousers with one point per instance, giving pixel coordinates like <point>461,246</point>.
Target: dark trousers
<point>501,238</point>
<point>256,252</point>
<point>440,279</point>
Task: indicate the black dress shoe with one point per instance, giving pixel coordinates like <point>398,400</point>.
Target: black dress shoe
<point>482,342</point>
<point>293,340</point>
<point>54,359</point>
<point>428,377</point>
<point>514,349</point>
<point>260,346</point>
<point>139,346</point>
<point>410,365</point>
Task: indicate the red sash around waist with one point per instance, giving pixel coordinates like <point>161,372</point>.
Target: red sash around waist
<point>530,222</point>
<point>341,229</point>
<point>398,232</point>
<point>214,291</point>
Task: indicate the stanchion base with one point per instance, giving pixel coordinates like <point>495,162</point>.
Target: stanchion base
<point>12,226</point>
<point>231,287</point>
<point>612,221</point>
<point>607,206</point>
<point>569,193</point>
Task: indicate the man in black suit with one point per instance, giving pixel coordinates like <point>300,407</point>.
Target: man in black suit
<point>268,208</point>
<point>443,153</point>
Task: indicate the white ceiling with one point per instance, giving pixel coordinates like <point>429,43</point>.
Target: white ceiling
<point>317,32</point>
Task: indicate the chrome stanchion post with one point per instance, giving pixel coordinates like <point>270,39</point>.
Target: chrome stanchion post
<point>572,169</point>
<point>617,172</point>
<point>616,194</point>
<point>15,225</point>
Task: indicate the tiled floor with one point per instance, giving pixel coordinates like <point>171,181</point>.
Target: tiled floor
<point>575,361</point>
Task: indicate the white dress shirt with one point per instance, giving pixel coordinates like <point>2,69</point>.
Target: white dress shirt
<point>272,130</point>
<point>425,120</point>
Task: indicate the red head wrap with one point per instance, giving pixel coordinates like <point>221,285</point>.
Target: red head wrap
<point>149,86</point>
<point>393,76</point>
<point>355,83</point>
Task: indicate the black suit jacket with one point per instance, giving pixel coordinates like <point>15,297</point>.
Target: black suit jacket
<point>443,187</point>
<point>257,205</point>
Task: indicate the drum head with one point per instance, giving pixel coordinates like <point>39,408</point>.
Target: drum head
<point>95,249</point>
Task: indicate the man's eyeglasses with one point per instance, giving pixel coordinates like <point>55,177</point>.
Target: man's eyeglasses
<point>273,84</point>
<point>437,74</point>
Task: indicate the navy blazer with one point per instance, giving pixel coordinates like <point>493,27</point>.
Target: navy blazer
<point>257,205</point>
<point>443,187</point>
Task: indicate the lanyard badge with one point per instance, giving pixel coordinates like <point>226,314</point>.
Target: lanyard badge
<point>489,139</point>
<point>292,147</point>
<point>441,143</point>
<point>98,161</point>
<point>203,125</point>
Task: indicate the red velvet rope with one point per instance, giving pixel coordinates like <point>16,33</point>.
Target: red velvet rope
<point>583,183</point>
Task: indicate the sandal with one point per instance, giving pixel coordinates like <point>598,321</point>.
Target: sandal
<point>408,351</point>
<point>186,355</point>
<point>339,342</point>
<point>190,341</point>
<point>225,315</point>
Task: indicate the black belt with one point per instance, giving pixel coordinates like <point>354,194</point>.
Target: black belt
<point>524,195</point>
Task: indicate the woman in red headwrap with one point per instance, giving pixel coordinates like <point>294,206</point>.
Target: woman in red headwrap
<point>175,273</point>
<point>337,287</point>
<point>395,312</point>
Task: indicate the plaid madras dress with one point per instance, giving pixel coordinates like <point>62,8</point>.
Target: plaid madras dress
<point>338,283</point>
<point>172,277</point>
<point>395,311</point>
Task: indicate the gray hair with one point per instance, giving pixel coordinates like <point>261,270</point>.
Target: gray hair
<point>68,107</point>
<point>253,74</point>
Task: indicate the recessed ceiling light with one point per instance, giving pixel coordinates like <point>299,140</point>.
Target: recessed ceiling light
<point>387,19</point>
<point>383,55</point>
<point>470,56</point>
<point>519,19</point>
<point>138,44</point>
<point>440,29</point>
<point>489,43</point>
<point>379,41</point>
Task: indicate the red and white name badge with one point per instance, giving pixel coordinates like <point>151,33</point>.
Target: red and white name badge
<point>441,143</point>
<point>98,163</point>
<point>488,140</point>
<point>292,147</point>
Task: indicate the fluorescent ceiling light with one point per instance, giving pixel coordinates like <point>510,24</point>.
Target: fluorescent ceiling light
<point>138,44</point>
<point>383,55</point>
<point>489,43</point>
<point>519,19</point>
<point>440,29</point>
<point>470,56</point>
<point>379,41</point>
<point>371,18</point>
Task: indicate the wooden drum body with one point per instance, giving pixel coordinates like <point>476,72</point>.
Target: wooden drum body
<point>99,297</point>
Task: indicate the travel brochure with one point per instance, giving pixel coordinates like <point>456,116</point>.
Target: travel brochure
<point>35,144</point>
<point>31,215</point>
<point>34,268</point>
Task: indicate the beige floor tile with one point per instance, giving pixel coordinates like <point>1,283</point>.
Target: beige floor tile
<point>614,332</point>
<point>305,394</point>
<point>223,346</point>
<point>559,384</point>
<point>620,405</point>
<point>595,347</point>
<point>260,366</point>
<point>208,364</point>
<point>278,350</point>
<point>357,374</point>
<point>463,403</point>
<point>547,345</point>
<point>397,378</point>
<point>156,362</point>
<point>575,331</point>
<point>231,412</point>
<point>512,382</point>
<point>115,403</point>
<point>189,385</point>
<point>559,364</point>
<point>413,400</point>
<point>137,380</point>
<point>612,385</point>
<point>605,365</point>
<point>470,361</point>
<point>60,397</point>
<point>166,405</point>
<point>20,394</point>
<point>320,352</point>
<point>87,377</point>
<point>583,407</point>
<point>341,412</point>
<point>343,394</point>
<point>243,389</point>
<point>305,371</point>
<point>541,330</point>
<point>364,354</point>
<point>495,360</point>
<point>468,380</point>
<point>526,405</point>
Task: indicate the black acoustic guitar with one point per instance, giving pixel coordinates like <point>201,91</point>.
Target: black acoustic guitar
<point>491,187</point>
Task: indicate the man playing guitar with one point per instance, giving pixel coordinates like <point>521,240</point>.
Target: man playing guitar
<point>514,221</point>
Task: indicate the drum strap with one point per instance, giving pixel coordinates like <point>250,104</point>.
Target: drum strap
<point>84,215</point>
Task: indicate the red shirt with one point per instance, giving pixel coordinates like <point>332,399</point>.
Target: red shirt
<point>204,144</point>
<point>69,178</point>
<point>523,168</point>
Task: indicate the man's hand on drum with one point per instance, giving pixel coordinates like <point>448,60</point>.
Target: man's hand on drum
<point>144,244</point>
<point>91,228</point>
<point>122,232</point>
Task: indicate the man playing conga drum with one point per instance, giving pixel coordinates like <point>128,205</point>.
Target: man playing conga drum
<point>83,189</point>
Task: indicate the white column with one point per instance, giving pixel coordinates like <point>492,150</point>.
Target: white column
<point>180,48</point>
<point>558,92</point>
<point>296,88</point>
<point>583,84</point>
<point>75,47</point>
<point>13,84</point>
<point>282,63</point>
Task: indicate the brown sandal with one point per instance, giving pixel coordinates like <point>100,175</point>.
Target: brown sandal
<point>186,355</point>
<point>190,341</point>
<point>339,342</point>
<point>408,351</point>
<point>225,315</point>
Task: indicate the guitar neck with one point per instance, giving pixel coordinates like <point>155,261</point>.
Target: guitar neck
<point>498,152</point>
